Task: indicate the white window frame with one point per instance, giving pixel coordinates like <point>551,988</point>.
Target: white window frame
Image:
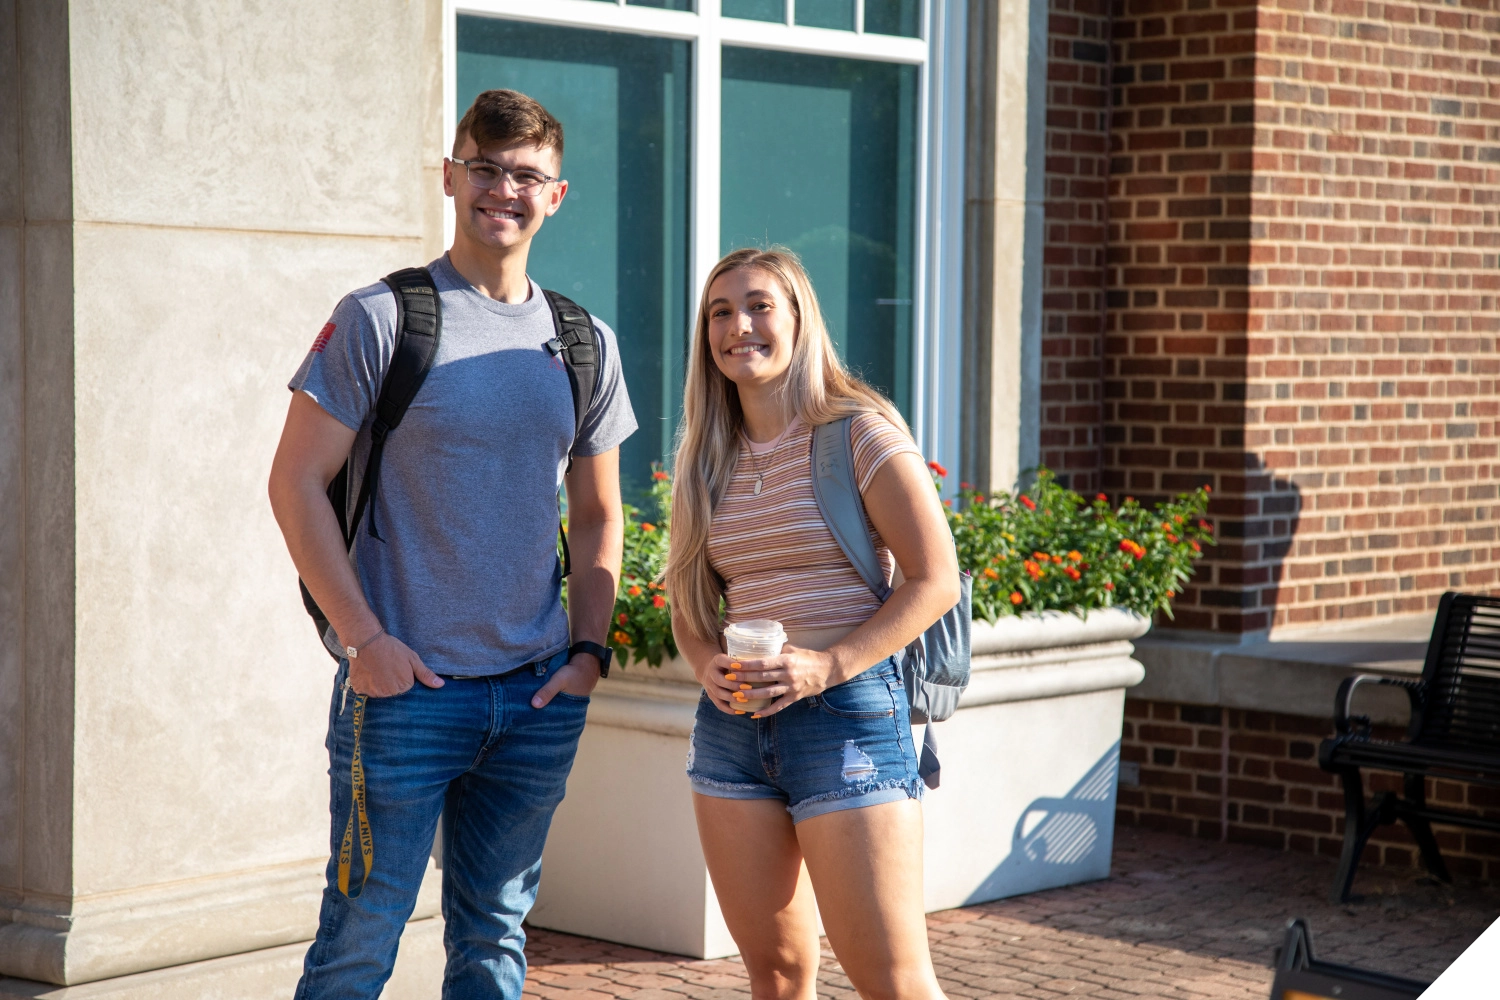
<point>939,56</point>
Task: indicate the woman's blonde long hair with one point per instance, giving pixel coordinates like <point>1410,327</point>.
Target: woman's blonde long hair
<point>816,388</point>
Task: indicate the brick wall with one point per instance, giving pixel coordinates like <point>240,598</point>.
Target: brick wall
<point>1303,261</point>
<point>1264,787</point>
<point>1073,276</point>
<point>1373,308</point>
<point>1176,347</point>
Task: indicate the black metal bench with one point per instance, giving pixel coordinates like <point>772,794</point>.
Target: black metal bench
<point>1454,733</point>
<point>1301,976</point>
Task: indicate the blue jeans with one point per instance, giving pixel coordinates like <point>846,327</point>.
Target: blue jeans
<point>476,753</point>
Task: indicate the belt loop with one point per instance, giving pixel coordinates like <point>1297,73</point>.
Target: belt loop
<point>540,668</point>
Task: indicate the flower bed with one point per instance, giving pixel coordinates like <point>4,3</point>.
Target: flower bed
<point>1043,549</point>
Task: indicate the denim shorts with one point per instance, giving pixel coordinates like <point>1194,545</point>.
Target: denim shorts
<point>846,748</point>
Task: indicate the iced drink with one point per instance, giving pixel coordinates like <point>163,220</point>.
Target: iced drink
<point>754,640</point>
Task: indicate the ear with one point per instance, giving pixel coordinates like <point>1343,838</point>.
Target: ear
<point>447,177</point>
<point>554,201</point>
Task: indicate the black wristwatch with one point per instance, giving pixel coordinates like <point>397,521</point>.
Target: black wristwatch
<point>603,652</point>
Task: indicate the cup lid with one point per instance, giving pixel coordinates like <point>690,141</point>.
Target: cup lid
<point>756,628</point>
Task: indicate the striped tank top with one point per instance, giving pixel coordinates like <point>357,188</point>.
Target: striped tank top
<point>777,558</point>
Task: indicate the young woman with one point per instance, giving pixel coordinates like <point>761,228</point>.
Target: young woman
<point>826,773</point>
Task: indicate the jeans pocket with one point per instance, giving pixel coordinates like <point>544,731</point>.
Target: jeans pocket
<point>582,699</point>
<point>867,696</point>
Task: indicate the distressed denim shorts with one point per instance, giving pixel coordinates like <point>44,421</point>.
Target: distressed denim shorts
<point>846,748</point>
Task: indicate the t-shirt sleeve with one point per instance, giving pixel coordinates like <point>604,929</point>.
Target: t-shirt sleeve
<point>347,361</point>
<point>876,440</point>
<point>610,419</point>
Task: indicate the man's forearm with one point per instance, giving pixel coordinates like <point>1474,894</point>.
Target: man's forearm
<point>596,548</point>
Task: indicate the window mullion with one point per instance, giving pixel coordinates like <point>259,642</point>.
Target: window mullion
<point>707,60</point>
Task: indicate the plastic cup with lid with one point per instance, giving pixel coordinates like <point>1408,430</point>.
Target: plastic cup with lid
<point>754,640</point>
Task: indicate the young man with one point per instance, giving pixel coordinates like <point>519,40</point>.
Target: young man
<point>472,703</point>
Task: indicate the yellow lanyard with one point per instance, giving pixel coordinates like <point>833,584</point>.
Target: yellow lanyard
<point>357,808</point>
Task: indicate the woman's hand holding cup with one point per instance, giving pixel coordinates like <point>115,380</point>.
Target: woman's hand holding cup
<point>779,681</point>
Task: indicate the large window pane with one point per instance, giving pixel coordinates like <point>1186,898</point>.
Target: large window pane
<point>819,154</point>
<point>619,244</point>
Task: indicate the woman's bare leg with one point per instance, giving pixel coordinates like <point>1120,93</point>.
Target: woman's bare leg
<point>866,865</point>
<point>764,893</point>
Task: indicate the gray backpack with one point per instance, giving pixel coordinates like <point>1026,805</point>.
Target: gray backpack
<point>935,667</point>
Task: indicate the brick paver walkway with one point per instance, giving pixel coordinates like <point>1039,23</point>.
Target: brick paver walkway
<point>1177,919</point>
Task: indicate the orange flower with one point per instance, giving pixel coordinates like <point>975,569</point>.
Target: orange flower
<point>1028,503</point>
<point>1171,538</point>
<point>647,526</point>
<point>658,475</point>
<point>1165,526</point>
<point>991,573</point>
<point>659,601</point>
<point>1109,586</point>
<point>622,618</point>
<point>634,591</point>
<point>1208,489</point>
<point>935,467</point>
<point>1072,572</point>
<point>1196,546</point>
<point>1075,556</point>
<point>1101,496</point>
<point>978,498</point>
<point>1033,569</point>
<point>947,503</point>
<point>1170,594</point>
<point>1015,597</point>
<point>1039,556</point>
<point>621,638</point>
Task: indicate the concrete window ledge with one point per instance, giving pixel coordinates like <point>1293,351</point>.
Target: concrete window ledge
<point>1296,673</point>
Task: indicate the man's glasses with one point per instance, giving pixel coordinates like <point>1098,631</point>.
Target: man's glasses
<point>486,176</point>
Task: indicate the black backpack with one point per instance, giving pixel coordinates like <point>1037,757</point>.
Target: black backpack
<point>419,327</point>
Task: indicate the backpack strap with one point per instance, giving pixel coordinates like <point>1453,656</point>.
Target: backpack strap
<point>419,328</point>
<point>840,504</point>
<point>578,343</point>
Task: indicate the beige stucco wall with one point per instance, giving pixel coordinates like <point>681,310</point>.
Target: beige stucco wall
<point>186,189</point>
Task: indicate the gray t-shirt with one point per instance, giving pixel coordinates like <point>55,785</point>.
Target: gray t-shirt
<point>465,571</point>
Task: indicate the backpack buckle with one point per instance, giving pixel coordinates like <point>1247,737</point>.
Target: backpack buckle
<point>554,347</point>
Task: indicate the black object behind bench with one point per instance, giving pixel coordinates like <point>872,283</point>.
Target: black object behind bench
<point>1299,975</point>
<point>1454,733</point>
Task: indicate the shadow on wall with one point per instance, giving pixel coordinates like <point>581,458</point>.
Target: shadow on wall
<point>1059,841</point>
<point>1243,578</point>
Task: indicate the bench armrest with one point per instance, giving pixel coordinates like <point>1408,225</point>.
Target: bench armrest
<point>1343,721</point>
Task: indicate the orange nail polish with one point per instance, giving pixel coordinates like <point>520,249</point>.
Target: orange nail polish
<point>734,666</point>
<point>744,687</point>
<point>738,712</point>
<point>739,696</point>
<point>730,677</point>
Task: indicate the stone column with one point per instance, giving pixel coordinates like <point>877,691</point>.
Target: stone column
<point>1003,235</point>
<point>186,190</point>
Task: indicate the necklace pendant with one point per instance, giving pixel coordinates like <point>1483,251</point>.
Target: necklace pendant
<point>759,485</point>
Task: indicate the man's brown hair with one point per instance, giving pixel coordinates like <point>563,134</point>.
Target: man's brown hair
<point>504,117</point>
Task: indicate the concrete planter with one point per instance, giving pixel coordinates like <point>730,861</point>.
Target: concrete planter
<point>1027,801</point>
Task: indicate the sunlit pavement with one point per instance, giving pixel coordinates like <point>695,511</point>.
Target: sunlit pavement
<point>1177,918</point>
